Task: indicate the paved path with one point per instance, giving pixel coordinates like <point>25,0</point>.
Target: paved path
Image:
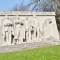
<point>23,46</point>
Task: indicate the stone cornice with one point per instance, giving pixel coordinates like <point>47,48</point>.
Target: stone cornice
<point>24,13</point>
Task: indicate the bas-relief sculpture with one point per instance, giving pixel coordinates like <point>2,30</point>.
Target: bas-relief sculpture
<point>27,28</point>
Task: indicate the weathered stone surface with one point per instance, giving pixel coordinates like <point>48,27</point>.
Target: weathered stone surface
<point>27,27</point>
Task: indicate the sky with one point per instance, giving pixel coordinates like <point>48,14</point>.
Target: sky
<point>8,4</point>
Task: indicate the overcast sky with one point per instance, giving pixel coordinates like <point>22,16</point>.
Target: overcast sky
<point>8,4</point>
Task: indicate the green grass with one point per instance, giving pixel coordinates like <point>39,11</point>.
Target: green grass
<point>43,53</point>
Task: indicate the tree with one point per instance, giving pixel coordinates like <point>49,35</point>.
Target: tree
<point>58,5</point>
<point>58,14</point>
<point>37,5</point>
<point>48,5</point>
<point>19,7</point>
<point>43,5</point>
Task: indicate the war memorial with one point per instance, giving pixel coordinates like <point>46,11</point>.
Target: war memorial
<point>26,27</point>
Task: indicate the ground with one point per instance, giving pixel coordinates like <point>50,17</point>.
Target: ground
<point>42,53</point>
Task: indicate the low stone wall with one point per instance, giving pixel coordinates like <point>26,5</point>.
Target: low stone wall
<point>27,27</point>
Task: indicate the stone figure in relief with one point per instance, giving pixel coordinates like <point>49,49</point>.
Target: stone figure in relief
<point>19,31</point>
<point>8,31</point>
<point>16,31</point>
<point>29,30</point>
<point>26,24</point>
<point>33,29</point>
<point>22,32</point>
<point>41,31</point>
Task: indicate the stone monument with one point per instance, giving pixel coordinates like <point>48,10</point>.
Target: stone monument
<point>26,27</point>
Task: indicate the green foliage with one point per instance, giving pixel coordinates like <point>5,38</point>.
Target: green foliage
<point>43,53</point>
<point>58,21</point>
<point>38,5</point>
<point>58,14</point>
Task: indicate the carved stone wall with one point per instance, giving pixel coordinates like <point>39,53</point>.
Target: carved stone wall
<point>26,27</point>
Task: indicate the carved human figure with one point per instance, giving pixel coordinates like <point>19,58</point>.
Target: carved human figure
<point>29,30</point>
<point>22,32</point>
<point>8,30</point>
<point>26,22</point>
<point>16,31</point>
<point>32,30</point>
<point>33,34</point>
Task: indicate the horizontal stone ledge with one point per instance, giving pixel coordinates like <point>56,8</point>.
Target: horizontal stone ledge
<point>24,13</point>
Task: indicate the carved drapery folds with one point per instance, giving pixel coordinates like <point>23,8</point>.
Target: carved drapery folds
<point>27,29</point>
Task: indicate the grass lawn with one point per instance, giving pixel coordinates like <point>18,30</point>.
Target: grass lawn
<point>43,53</point>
